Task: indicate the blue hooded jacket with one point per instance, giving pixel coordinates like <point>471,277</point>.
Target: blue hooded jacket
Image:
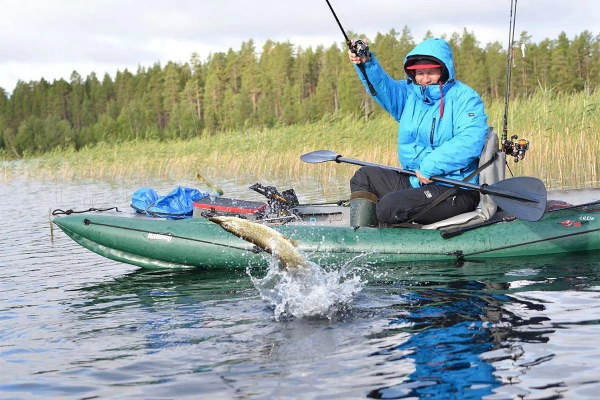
<point>442,127</point>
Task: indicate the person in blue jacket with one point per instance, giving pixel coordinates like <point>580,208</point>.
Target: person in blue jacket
<point>442,130</point>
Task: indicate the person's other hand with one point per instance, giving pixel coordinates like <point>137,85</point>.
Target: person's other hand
<point>422,179</point>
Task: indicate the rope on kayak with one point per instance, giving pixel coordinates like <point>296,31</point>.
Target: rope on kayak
<point>532,242</point>
<point>254,249</point>
<point>58,211</point>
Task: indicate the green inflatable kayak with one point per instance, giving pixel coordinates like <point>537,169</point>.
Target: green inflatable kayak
<point>323,235</point>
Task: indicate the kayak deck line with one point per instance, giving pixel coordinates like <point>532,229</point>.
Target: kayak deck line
<point>88,222</point>
<point>458,253</point>
<point>254,249</point>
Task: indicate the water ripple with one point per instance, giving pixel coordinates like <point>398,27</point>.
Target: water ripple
<point>76,325</point>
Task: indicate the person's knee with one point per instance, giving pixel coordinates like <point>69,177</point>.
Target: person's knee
<point>389,210</point>
<point>362,178</point>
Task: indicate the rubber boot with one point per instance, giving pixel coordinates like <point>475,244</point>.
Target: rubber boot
<point>362,209</point>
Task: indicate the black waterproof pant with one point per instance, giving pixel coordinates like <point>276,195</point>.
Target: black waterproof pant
<point>398,201</point>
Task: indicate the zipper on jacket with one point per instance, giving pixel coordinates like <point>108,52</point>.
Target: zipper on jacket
<point>432,132</point>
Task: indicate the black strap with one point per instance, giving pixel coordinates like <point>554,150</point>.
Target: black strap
<point>454,189</point>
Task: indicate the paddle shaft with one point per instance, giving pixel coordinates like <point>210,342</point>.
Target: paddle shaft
<point>523,197</point>
<point>483,188</point>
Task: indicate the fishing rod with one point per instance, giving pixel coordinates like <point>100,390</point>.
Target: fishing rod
<point>360,48</point>
<point>514,147</point>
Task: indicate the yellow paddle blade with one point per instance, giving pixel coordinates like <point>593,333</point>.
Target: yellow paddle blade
<point>210,185</point>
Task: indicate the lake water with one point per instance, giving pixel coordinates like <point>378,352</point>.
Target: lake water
<point>76,325</point>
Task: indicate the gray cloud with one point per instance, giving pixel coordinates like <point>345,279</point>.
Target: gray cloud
<point>41,35</point>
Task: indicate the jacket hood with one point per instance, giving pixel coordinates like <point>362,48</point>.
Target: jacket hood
<point>432,49</point>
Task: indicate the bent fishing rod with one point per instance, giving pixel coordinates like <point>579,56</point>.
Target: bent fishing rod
<point>514,147</point>
<point>359,48</point>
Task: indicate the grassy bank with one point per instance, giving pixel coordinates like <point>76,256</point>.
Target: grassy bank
<point>564,131</point>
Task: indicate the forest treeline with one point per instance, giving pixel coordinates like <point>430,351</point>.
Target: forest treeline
<point>281,84</point>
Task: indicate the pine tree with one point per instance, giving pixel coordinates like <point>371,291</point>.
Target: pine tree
<point>276,64</point>
<point>495,59</point>
<point>124,88</point>
<point>561,72</point>
<point>3,113</point>
<point>196,86</point>
<point>523,65</point>
<point>580,53</point>
<point>543,63</point>
<point>351,91</point>
<point>75,101</point>
<point>108,87</point>
<point>172,86</point>
<point>233,82</point>
<point>153,99</point>
<point>305,76</point>
<point>386,48</point>
<point>327,96</point>
<point>38,98</point>
<point>213,92</point>
<point>97,96</point>
<point>469,64</point>
<point>250,80</point>
<point>594,64</point>
<point>243,108</point>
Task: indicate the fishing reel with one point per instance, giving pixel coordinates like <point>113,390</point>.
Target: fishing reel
<point>361,49</point>
<point>278,204</point>
<point>515,147</point>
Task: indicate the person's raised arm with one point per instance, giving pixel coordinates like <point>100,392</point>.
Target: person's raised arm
<point>391,94</point>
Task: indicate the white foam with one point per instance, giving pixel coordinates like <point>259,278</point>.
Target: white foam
<point>311,292</point>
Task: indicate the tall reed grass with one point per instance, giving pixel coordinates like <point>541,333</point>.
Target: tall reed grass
<point>564,131</point>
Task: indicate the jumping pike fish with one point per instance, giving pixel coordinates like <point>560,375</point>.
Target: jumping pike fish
<point>268,239</point>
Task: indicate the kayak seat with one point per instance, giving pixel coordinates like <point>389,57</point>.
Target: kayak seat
<point>490,175</point>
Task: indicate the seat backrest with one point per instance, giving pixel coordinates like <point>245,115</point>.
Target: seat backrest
<point>490,175</point>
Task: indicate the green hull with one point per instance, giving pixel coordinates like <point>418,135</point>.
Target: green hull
<point>197,242</point>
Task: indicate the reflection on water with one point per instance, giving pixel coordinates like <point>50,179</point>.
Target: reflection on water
<point>75,325</point>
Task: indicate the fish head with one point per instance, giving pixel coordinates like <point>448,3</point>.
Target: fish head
<point>231,224</point>
<point>266,238</point>
<point>242,228</point>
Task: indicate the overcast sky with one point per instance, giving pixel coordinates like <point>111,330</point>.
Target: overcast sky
<point>52,38</point>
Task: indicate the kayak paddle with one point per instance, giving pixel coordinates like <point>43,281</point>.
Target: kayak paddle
<point>523,197</point>
<point>217,191</point>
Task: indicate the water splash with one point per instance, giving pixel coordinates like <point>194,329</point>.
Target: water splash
<point>311,292</point>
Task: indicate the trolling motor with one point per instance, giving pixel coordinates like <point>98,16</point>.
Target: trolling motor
<point>360,48</point>
<point>278,204</point>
